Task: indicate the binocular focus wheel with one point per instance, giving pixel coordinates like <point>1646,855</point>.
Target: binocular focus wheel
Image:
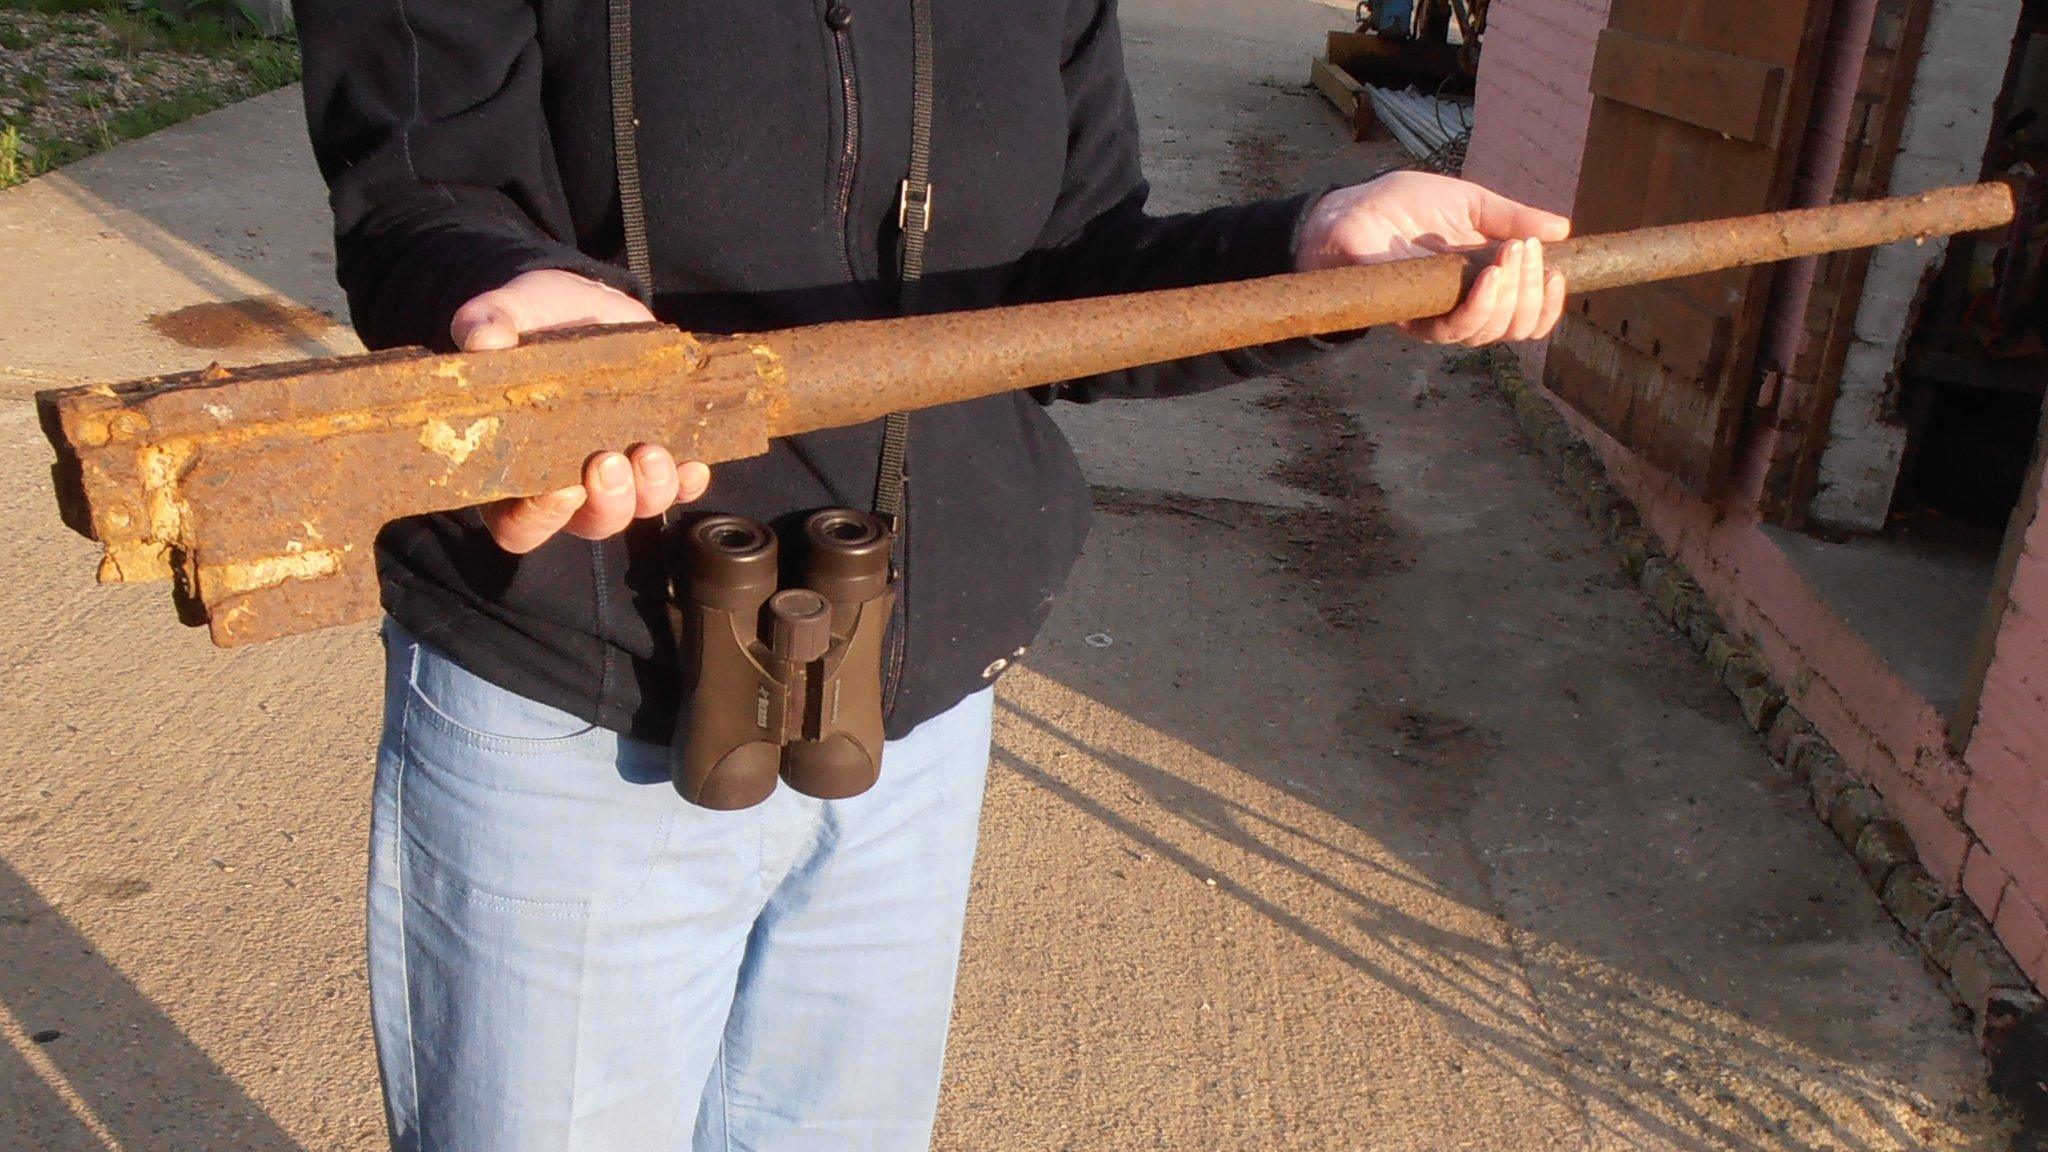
<point>801,625</point>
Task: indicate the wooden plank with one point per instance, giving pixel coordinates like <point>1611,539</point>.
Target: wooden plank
<point>1345,94</point>
<point>1692,102</point>
<point>1719,91</point>
<point>1645,405</point>
<point>1667,326</point>
<point>1763,31</point>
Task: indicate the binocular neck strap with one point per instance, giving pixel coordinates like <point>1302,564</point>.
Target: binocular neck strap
<point>913,222</point>
<point>626,143</point>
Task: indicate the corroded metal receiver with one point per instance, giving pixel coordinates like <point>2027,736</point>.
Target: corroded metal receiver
<point>260,491</point>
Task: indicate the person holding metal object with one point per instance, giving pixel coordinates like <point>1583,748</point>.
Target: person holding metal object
<point>564,953</point>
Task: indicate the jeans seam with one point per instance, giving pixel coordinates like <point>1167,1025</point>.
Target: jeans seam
<point>724,1098</point>
<point>574,909</point>
<point>494,743</point>
<point>412,1060</point>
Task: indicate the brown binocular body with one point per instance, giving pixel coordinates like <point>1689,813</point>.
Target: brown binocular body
<point>787,681</point>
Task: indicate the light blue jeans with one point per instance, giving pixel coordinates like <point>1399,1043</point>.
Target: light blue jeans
<point>566,955</point>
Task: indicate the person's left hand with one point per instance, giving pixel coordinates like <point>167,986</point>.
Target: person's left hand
<point>1409,214</point>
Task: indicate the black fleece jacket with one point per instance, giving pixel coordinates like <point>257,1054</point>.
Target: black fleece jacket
<point>467,141</point>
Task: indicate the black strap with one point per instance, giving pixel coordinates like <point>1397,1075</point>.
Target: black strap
<point>914,222</point>
<point>626,143</point>
<point>913,205</point>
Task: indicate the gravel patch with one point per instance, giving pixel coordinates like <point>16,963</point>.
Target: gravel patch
<point>75,83</point>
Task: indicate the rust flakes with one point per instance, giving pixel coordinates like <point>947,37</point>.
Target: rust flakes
<point>298,563</point>
<point>441,438</point>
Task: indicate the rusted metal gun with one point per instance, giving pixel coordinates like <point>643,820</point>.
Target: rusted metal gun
<point>260,491</point>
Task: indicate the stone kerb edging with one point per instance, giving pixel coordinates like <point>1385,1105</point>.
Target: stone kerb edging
<point>1949,930</point>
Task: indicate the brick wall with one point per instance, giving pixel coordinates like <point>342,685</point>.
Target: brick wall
<point>1865,172</point>
<point>1948,124</point>
<point>2006,807</point>
<point>1529,120</point>
<point>1806,393</point>
<point>1533,105</point>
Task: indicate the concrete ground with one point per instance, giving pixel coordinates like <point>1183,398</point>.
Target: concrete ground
<point>1350,799</point>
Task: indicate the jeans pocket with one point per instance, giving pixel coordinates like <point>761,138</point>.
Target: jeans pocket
<point>473,710</point>
<point>545,828</point>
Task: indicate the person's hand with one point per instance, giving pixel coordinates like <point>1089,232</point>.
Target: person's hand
<point>1408,214</point>
<point>617,487</point>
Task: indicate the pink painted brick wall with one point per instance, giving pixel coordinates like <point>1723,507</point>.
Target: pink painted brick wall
<point>2023,928</point>
<point>1984,881</point>
<point>1533,104</point>
<point>1529,121</point>
<point>2007,806</point>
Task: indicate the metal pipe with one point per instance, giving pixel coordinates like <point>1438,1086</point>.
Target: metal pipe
<point>1827,139</point>
<point>842,374</point>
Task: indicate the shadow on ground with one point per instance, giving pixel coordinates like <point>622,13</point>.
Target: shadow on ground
<point>92,1063</point>
<point>1557,893</point>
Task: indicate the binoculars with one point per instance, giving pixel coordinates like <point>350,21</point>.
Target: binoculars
<point>787,681</point>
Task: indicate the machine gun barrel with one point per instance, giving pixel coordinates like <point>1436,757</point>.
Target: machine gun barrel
<point>260,491</point>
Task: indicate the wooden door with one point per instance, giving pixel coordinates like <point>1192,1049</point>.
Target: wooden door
<point>1699,110</point>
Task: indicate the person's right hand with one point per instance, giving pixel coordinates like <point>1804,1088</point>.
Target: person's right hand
<point>617,487</point>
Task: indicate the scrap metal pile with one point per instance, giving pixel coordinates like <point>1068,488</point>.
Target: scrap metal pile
<point>259,492</point>
<point>1434,129</point>
<point>1409,67</point>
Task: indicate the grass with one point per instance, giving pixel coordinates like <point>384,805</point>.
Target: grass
<point>206,27</point>
<point>1475,362</point>
<point>134,123</point>
<point>10,157</point>
<point>270,63</point>
<point>215,29</point>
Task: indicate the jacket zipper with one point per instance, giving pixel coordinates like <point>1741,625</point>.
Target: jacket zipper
<point>839,19</point>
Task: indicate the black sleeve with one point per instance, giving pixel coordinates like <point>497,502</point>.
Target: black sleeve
<point>1100,240</point>
<point>426,120</point>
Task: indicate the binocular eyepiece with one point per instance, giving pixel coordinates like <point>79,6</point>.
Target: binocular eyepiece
<point>787,681</point>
